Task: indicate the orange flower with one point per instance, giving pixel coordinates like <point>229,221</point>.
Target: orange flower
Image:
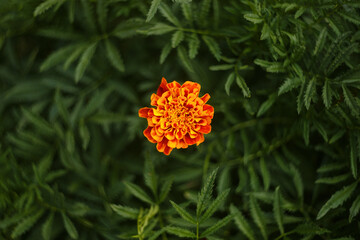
<point>180,117</point>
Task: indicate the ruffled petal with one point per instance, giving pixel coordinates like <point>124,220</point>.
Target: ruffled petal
<point>147,134</point>
<point>163,87</point>
<point>205,98</point>
<point>144,112</point>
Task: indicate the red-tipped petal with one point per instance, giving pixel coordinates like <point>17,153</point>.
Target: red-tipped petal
<point>144,112</point>
<point>147,134</point>
<point>205,98</point>
<point>163,87</point>
<point>205,129</point>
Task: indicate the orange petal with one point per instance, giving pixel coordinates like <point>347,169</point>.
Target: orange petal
<point>167,150</point>
<point>144,112</point>
<point>205,129</point>
<point>200,139</point>
<point>163,87</point>
<point>162,145</point>
<point>170,135</point>
<point>205,98</point>
<point>192,86</point>
<point>147,134</point>
<point>189,140</point>
<point>154,98</point>
<point>173,143</point>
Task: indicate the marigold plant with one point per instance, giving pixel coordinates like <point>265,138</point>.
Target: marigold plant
<point>180,117</point>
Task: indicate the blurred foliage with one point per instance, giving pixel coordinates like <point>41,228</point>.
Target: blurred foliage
<point>282,161</point>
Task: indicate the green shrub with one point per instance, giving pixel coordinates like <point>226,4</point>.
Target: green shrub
<point>281,162</point>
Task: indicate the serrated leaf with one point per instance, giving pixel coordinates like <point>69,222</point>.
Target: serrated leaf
<point>320,41</point>
<point>214,206</point>
<point>354,209</point>
<point>265,32</point>
<point>165,189</point>
<point>124,211</point>
<point>222,67</point>
<point>337,199</point>
<point>165,52</point>
<point>183,213</point>
<point>216,226</point>
<point>333,180</point>
<point>278,212</point>
<point>138,192</point>
<point>168,14</point>
<point>204,12</point>
<point>84,61</point>
<point>299,12</point>
<point>320,128</point>
<point>229,82</point>
<point>297,181</point>
<point>350,101</point>
<point>242,223</point>
<point>187,11</point>
<point>114,56</point>
<point>213,47</point>
<point>180,232</point>
<point>240,81</point>
<point>253,18</point>
<point>84,134</point>
<point>310,92</point>
<point>43,126</point>
<point>289,84</point>
<point>206,192</point>
<point>46,229</point>
<point>177,38</point>
<point>69,226</point>
<point>194,45</point>
<point>41,8</point>
<point>153,9</point>
<point>159,29</point>
<point>337,136</point>
<point>258,216</point>
<point>310,229</point>
<point>27,223</point>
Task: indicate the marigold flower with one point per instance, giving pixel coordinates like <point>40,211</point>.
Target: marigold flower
<point>180,117</point>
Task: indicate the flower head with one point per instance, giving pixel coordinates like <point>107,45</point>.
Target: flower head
<point>179,118</point>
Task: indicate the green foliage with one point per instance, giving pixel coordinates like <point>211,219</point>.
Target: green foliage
<point>281,161</point>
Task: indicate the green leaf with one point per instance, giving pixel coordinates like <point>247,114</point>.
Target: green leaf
<point>289,84</point>
<point>47,227</point>
<point>177,38</point>
<point>168,14</point>
<point>185,60</point>
<point>354,209</point>
<point>126,212</point>
<point>159,29</point>
<point>204,12</point>
<point>265,174</point>
<point>297,181</point>
<point>278,212</point>
<point>187,11</point>
<point>194,45</point>
<point>114,56</point>
<point>180,232</point>
<point>69,226</point>
<point>58,57</point>
<point>350,100</point>
<point>61,107</point>
<point>150,177</point>
<point>84,61</point>
<point>214,206</point>
<point>265,106</point>
<point>320,42</point>
<point>327,94</point>
<point>84,134</point>
<point>213,47</point>
<point>43,126</point>
<point>354,155</point>
<point>222,67</point>
<point>165,52</point>
<point>219,224</point>
<point>310,92</point>
<point>138,192</point>
<point>153,9</point>
<point>242,223</point>
<point>101,13</point>
<point>74,55</point>
<point>258,216</point>
<point>240,81</point>
<point>183,213</point>
<point>40,9</point>
<point>333,180</point>
<point>337,136</point>
<point>25,224</point>
<point>253,18</point>
<point>337,199</point>
<point>310,229</point>
<point>206,192</point>
<point>165,189</point>
<point>229,82</point>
